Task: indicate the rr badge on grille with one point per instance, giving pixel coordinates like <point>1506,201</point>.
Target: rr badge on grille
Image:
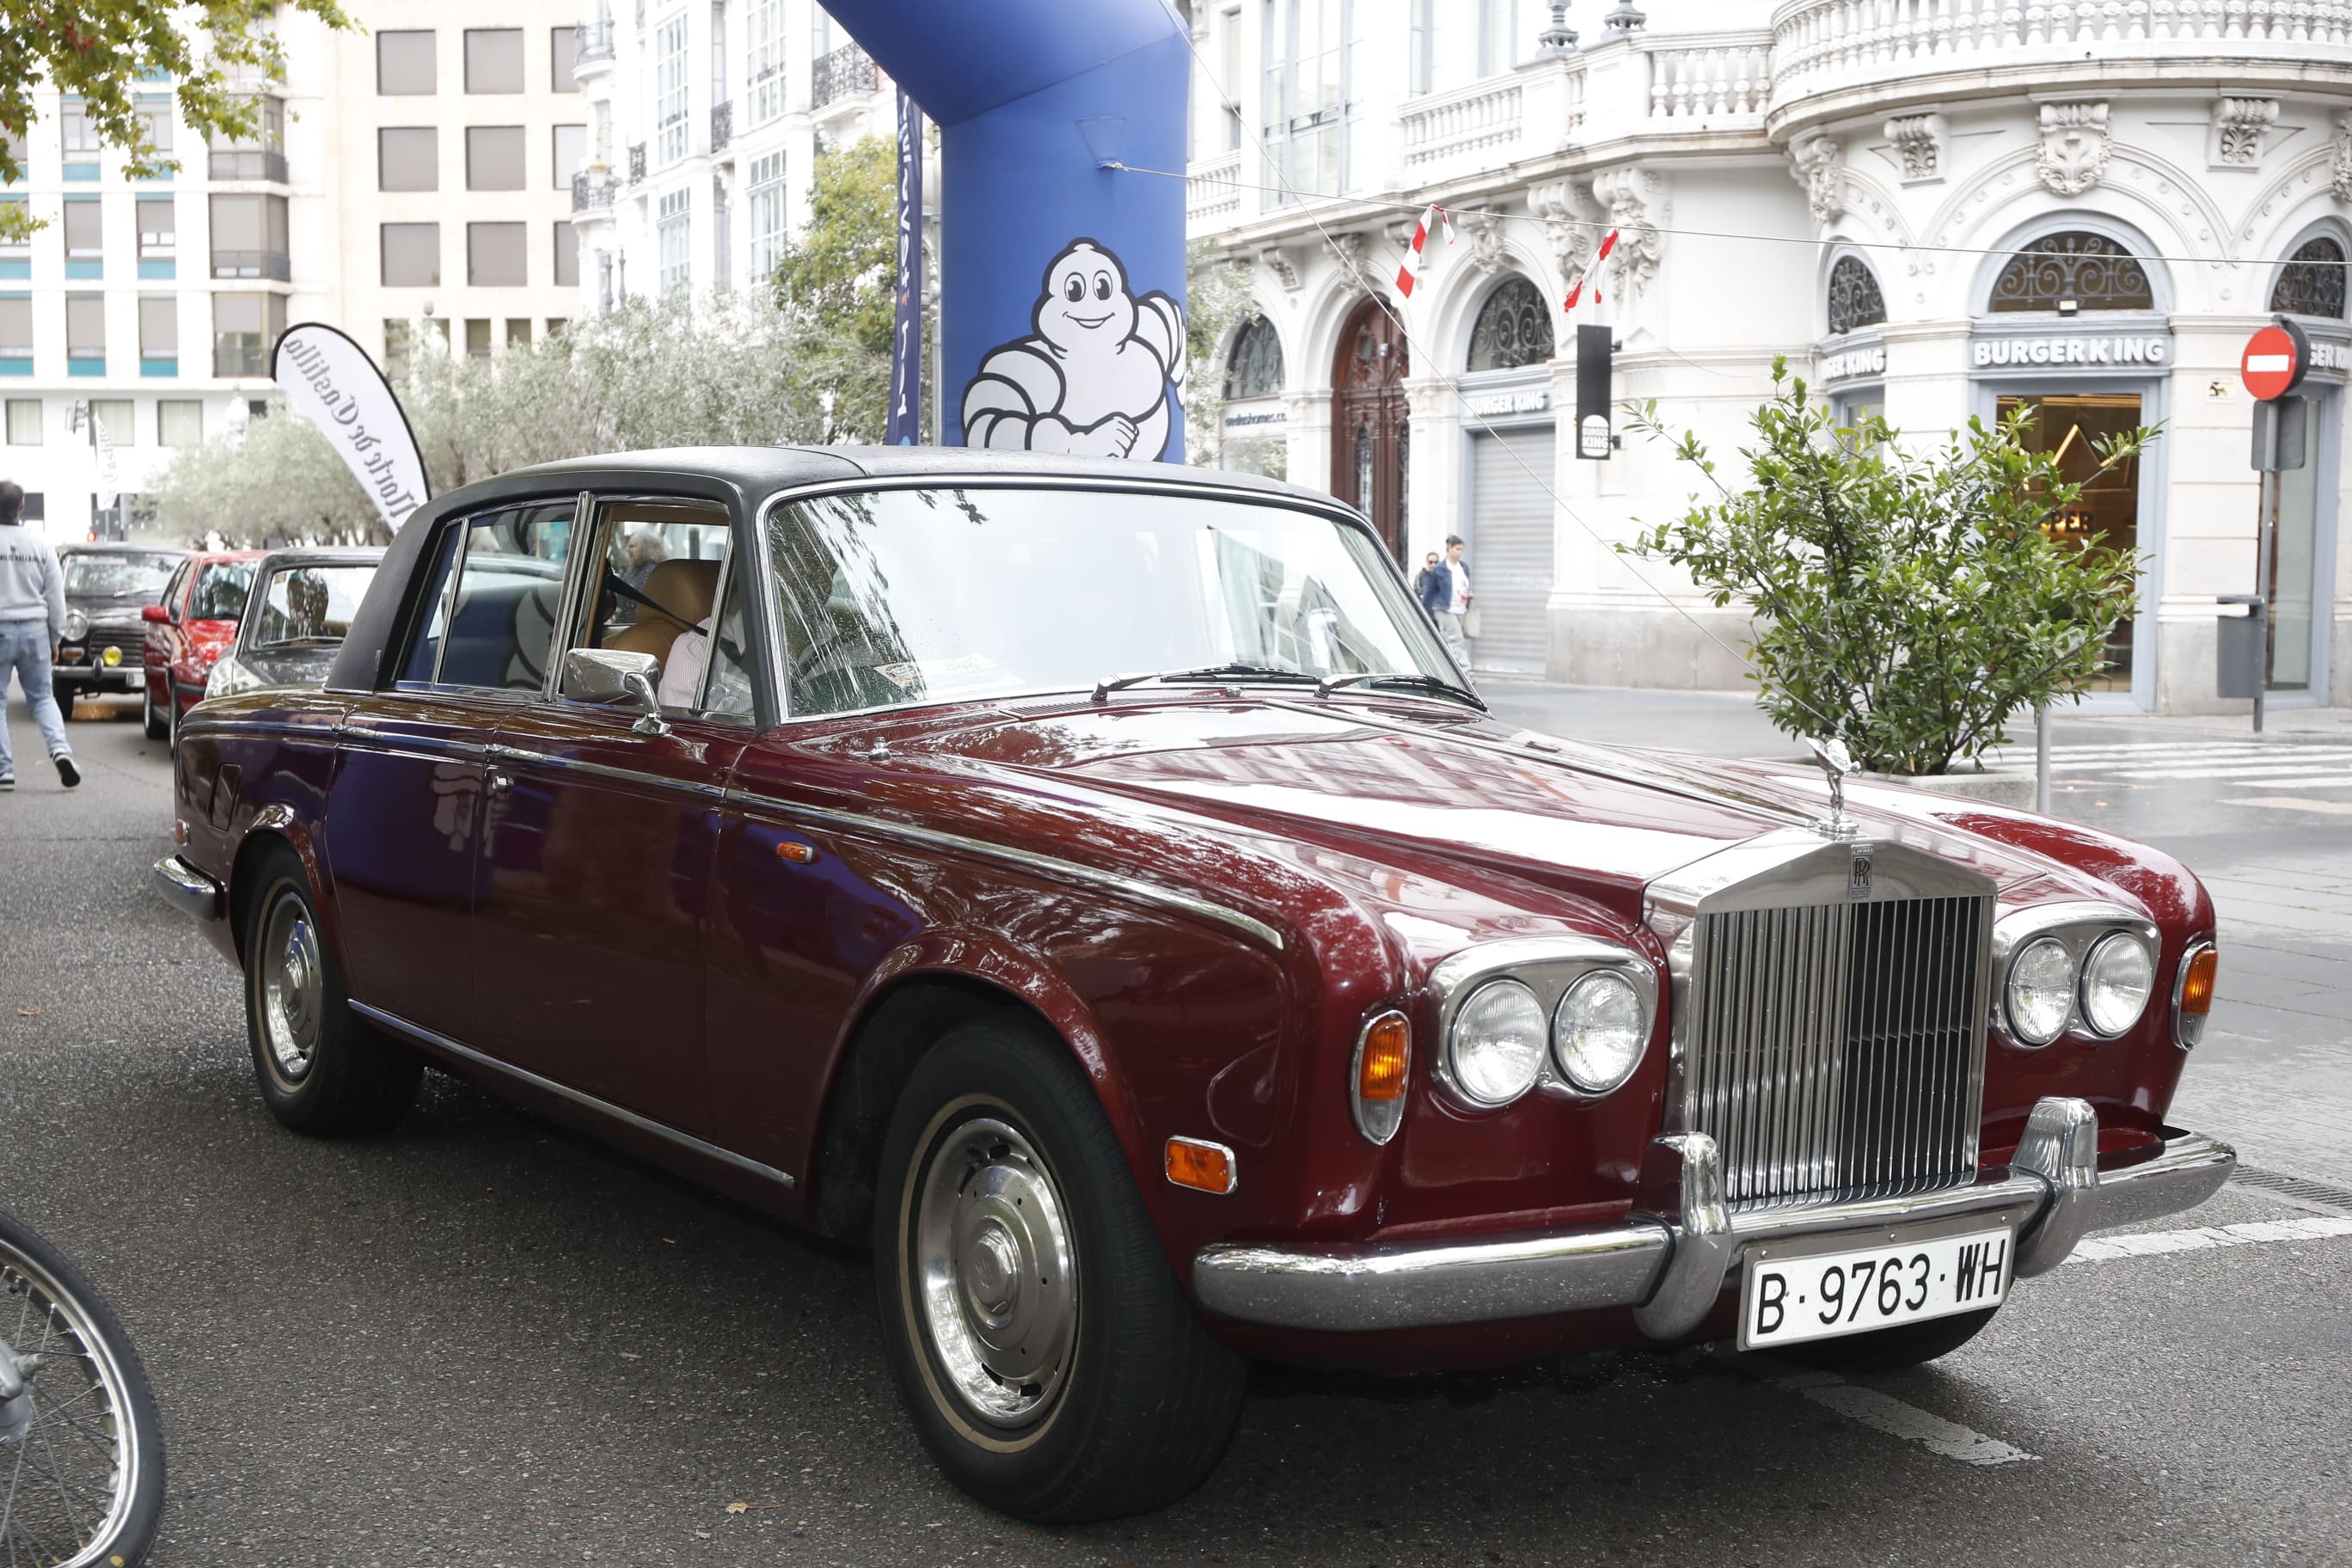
<point>1857,873</point>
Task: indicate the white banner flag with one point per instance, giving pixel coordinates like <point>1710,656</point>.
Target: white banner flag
<point>331,382</point>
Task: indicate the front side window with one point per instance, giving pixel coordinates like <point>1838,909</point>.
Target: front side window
<point>897,596</point>
<point>493,619</point>
<point>222,588</point>
<point>310,605</point>
<point>656,593</point>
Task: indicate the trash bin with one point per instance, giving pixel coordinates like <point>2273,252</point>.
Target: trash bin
<point>2238,647</point>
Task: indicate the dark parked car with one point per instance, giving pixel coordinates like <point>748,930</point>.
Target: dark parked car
<point>106,587</point>
<point>1093,885</point>
<point>295,619</point>
<point>188,632</point>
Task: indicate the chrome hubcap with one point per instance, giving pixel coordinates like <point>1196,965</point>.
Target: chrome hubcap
<point>995,1269</point>
<point>293,987</point>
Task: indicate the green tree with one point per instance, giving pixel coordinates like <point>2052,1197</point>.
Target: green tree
<point>1217,300</point>
<point>838,282</point>
<point>1909,603</point>
<point>98,51</point>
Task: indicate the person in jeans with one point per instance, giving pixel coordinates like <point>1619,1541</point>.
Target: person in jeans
<point>32,624</point>
<point>1445,595</point>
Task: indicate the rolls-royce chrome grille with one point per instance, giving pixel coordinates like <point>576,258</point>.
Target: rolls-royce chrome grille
<point>1836,1048</point>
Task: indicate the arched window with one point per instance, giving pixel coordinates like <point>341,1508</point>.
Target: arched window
<point>1254,368</point>
<point>1855,298</point>
<point>1513,328</point>
<point>2076,271</point>
<point>2312,282</point>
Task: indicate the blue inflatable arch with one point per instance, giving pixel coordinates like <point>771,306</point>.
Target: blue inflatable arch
<point>1062,282</point>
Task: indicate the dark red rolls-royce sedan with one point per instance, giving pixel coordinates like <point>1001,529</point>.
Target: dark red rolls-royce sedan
<point>1094,885</point>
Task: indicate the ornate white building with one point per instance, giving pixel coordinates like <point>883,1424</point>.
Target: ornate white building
<point>1936,208</point>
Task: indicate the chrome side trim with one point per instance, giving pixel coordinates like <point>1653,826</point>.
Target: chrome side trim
<point>1027,861</point>
<point>236,727</point>
<point>668,1134</point>
<point>1673,1267</point>
<point>368,740</point>
<point>187,889</point>
<point>523,757</point>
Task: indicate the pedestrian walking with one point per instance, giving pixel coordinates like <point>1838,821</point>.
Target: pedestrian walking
<point>1445,595</point>
<point>1421,578</point>
<point>32,624</point>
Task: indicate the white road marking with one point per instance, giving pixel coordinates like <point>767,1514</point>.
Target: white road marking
<point>2265,769</point>
<point>2288,803</point>
<point>2315,1228</point>
<point>1884,1413</point>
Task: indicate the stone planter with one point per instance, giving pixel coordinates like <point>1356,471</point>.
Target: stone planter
<point>2010,786</point>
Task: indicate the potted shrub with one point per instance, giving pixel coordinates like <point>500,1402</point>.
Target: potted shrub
<point>1908,603</point>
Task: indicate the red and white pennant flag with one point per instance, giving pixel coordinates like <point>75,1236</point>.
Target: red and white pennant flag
<point>1410,269</point>
<point>1592,272</point>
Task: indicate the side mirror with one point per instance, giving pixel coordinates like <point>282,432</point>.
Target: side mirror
<point>619,680</point>
<point>157,614</point>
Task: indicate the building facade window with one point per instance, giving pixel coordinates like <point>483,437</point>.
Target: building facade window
<point>571,150</point>
<point>669,91</point>
<point>158,238</point>
<point>1253,367</point>
<point>85,236</point>
<point>477,337</point>
<point>411,254</point>
<point>495,158</point>
<point>24,422</point>
<point>260,153</point>
<point>2312,282</point>
<point>562,60</point>
<point>16,332</point>
<point>494,255</point>
<point>1309,48</point>
<point>721,236</point>
<point>767,200</point>
<point>119,416</point>
<point>86,335</point>
<point>179,421</point>
<point>15,249</point>
<point>156,123</point>
<point>1513,328</point>
<point>764,64</point>
<point>518,331</point>
<point>1855,298</point>
<point>78,137</point>
<point>244,328</point>
<point>403,63</point>
<point>494,59</point>
<point>408,158</point>
<point>567,255</point>
<point>672,227</point>
<point>2076,271</point>
<point>159,334</point>
<point>399,344</point>
<point>249,237</point>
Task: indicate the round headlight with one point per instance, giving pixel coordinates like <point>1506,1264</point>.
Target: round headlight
<point>2118,976</point>
<point>1599,1030</point>
<point>2040,991</point>
<point>1496,1044</point>
<point>76,626</point>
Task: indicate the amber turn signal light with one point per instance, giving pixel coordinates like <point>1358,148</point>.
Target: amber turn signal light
<point>2194,999</point>
<point>1376,1091</point>
<point>798,854</point>
<point>1201,1166</point>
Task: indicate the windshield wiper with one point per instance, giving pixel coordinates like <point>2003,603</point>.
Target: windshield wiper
<point>1103,689</point>
<point>1425,682</point>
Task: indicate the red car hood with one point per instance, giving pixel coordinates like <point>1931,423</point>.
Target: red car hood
<point>1464,800</point>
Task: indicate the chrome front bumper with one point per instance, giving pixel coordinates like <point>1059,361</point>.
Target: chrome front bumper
<point>187,889</point>
<point>1673,1259</point>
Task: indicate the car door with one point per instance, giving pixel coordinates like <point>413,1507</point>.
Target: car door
<point>404,809</point>
<point>155,648</point>
<point>601,828</point>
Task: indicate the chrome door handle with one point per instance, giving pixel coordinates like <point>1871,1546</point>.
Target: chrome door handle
<point>500,782</point>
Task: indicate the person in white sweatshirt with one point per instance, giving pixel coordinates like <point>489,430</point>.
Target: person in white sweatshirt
<point>32,624</point>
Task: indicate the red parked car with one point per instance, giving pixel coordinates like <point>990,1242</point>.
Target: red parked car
<point>1094,885</point>
<point>189,631</point>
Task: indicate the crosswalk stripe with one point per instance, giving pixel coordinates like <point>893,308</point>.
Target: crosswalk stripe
<point>2217,770</point>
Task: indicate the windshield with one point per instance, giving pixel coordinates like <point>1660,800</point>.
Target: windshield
<point>221,591</point>
<point>310,605</point>
<point>902,596</point>
<point>129,571</point>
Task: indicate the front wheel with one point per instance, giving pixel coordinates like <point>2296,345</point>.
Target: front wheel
<point>64,691</point>
<point>1051,1363</point>
<point>322,1069</point>
<point>82,1448</point>
<point>158,728</point>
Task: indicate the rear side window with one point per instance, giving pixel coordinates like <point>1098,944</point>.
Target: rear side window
<point>499,616</point>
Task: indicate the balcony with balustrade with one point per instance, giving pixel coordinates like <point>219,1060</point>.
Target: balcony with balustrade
<point>1832,59</point>
<point>594,43</point>
<point>848,72</point>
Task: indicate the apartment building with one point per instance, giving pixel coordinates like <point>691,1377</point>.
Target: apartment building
<point>1937,208</point>
<point>705,119</point>
<point>411,177</point>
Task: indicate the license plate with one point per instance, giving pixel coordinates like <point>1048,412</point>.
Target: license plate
<point>1786,1301</point>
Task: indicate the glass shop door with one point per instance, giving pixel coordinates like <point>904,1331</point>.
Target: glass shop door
<point>2070,424</point>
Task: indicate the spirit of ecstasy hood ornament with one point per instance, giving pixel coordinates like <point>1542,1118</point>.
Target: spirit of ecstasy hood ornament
<point>1836,762</point>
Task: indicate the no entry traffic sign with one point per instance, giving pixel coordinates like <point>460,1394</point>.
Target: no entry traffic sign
<point>2275,360</point>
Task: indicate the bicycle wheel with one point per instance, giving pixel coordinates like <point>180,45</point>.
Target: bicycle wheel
<point>81,1450</point>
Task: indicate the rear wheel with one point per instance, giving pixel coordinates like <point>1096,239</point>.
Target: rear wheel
<point>320,1069</point>
<point>1892,1350</point>
<point>1052,1365</point>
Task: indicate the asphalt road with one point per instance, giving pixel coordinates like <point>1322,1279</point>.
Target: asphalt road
<point>484,1341</point>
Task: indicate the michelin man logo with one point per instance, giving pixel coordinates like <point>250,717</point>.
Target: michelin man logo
<point>1099,377</point>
